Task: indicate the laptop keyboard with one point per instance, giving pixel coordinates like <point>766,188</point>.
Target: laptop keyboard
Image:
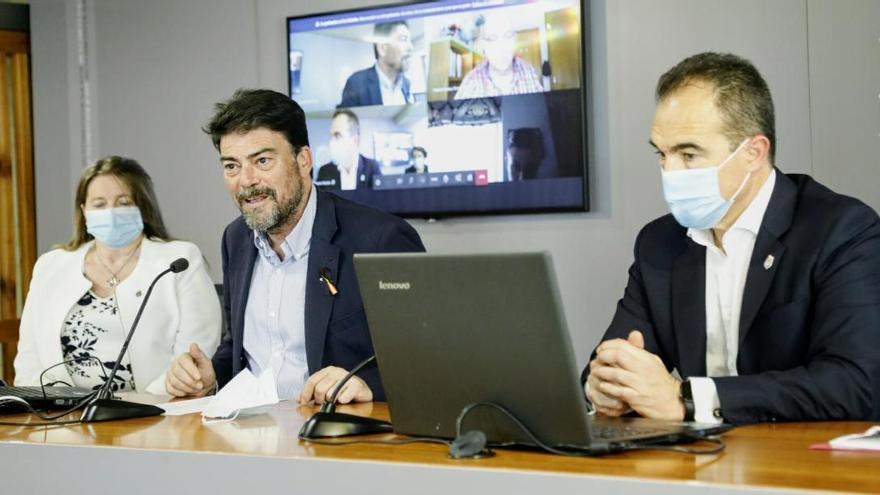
<point>611,432</point>
<point>37,392</point>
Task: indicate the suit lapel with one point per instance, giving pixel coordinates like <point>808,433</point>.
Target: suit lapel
<point>361,171</point>
<point>373,87</point>
<point>763,268</point>
<point>246,251</point>
<point>406,94</point>
<point>319,301</point>
<point>689,309</point>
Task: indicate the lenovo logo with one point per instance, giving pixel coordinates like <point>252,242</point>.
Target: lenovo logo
<point>393,285</point>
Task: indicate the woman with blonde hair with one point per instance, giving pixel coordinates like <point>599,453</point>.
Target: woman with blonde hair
<point>84,295</point>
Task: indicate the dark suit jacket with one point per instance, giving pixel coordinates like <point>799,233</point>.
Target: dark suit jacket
<point>335,326</point>
<point>809,343</point>
<point>328,174</point>
<point>362,89</point>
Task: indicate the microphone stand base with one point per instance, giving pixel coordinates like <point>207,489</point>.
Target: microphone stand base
<point>110,409</point>
<point>334,424</point>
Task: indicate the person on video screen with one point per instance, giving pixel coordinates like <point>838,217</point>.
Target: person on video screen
<point>525,152</point>
<point>418,156</point>
<point>347,169</point>
<point>384,83</point>
<point>502,72</point>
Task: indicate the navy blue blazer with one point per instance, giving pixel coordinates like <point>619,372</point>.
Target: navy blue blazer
<point>362,89</point>
<point>809,336</point>
<point>335,326</point>
<point>328,175</point>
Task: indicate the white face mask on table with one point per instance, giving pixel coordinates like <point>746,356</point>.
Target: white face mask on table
<point>244,394</point>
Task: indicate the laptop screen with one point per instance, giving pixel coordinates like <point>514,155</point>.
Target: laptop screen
<point>451,330</point>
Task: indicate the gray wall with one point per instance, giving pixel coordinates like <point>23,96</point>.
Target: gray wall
<point>844,47</point>
<point>158,66</point>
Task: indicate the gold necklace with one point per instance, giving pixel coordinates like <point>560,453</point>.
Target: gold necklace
<point>113,281</point>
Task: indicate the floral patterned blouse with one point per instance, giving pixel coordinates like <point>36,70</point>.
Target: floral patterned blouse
<point>93,332</point>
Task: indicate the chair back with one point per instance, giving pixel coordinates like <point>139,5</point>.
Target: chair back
<point>9,343</point>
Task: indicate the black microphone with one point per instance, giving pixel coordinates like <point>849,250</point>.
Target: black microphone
<point>102,407</point>
<point>177,266</point>
<point>329,423</point>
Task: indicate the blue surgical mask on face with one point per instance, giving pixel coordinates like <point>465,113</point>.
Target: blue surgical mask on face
<point>694,195</point>
<point>115,227</point>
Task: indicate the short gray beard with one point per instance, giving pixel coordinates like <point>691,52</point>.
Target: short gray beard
<point>280,213</point>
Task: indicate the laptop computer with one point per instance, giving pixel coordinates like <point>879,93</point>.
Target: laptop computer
<point>453,330</point>
<point>54,397</point>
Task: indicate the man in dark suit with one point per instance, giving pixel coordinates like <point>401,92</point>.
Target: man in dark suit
<point>383,83</point>
<point>348,168</point>
<point>290,296</point>
<point>761,290</point>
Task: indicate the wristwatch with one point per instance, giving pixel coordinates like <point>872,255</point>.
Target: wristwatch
<point>687,398</point>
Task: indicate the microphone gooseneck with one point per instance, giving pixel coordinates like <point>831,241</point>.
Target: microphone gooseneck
<point>329,423</point>
<point>101,407</point>
<point>330,405</point>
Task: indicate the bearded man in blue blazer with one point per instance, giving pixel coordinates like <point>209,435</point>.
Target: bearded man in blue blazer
<point>291,297</point>
<point>758,298</point>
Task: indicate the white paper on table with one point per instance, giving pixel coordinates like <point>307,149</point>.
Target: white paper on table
<point>181,407</point>
<point>869,440</point>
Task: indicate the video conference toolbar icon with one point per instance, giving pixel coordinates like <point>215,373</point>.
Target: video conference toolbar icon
<point>437,179</point>
<point>482,178</point>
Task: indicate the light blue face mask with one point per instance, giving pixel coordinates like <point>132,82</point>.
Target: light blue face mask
<point>114,227</point>
<point>694,195</point>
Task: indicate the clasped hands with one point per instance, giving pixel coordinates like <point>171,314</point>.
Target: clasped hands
<point>192,374</point>
<point>624,376</point>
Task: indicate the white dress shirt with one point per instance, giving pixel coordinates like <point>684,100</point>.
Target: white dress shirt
<point>274,319</point>
<point>392,91</point>
<point>348,176</point>
<point>726,272</point>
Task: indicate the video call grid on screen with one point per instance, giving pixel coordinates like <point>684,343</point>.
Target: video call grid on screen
<point>448,107</point>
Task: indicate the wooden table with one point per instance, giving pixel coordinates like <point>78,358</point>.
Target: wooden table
<point>261,454</point>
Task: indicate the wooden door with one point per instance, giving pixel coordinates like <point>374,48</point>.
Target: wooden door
<point>528,47</point>
<point>17,201</point>
<point>563,48</point>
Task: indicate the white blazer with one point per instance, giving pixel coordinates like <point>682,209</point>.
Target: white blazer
<point>183,308</point>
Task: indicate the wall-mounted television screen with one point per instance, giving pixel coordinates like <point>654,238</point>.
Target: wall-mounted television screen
<point>447,107</point>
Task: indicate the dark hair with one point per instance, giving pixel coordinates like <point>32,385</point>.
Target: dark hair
<point>250,109</point>
<point>137,180</point>
<point>741,94</point>
<point>383,30</point>
<point>419,149</point>
<point>529,138</point>
<point>354,124</point>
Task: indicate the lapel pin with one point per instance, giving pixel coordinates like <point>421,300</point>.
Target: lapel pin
<point>768,262</point>
<point>325,277</point>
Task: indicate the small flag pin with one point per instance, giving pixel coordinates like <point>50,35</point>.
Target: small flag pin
<point>325,277</point>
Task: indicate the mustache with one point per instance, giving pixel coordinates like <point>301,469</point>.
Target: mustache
<point>251,192</point>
